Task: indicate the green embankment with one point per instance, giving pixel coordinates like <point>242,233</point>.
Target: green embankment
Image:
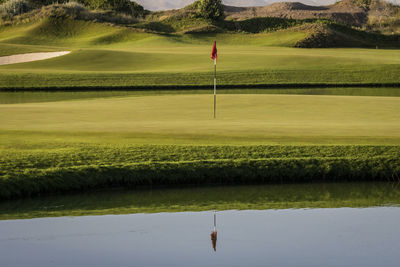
<point>41,171</point>
<point>172,139</point>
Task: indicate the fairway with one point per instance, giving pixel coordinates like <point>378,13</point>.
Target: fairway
<point>268,119</point>
<point>189,66</point>
<point>105,56</point>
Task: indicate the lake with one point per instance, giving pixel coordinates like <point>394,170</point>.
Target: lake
<point>349,224</point>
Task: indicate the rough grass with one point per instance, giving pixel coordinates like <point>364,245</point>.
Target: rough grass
<point>39,172</point>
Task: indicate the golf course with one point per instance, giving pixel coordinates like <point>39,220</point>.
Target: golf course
<point>107,56</point>
<point>131,106</point>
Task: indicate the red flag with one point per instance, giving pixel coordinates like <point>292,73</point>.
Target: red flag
<point>214,53</point>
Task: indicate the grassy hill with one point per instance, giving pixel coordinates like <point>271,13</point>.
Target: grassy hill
<point>118,55</point>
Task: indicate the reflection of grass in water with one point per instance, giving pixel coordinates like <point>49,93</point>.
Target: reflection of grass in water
<point>46,96</point>
<point>356,195</point>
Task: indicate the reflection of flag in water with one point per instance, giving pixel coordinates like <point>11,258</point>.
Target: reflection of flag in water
<point>214,240</point>
<point>214,234</point>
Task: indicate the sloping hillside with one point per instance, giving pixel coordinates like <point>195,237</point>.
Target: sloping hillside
<point>158,5</point>
<point>381,15</point>
<point>345,12</point>
<point>279,24</point>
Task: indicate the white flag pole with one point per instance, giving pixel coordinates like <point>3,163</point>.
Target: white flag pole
<point>215,88</point>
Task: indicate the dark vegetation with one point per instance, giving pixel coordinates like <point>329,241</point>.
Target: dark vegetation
<point>170,81</point>
<point>114,11</point>
<point>122,6</point>
<point>258,197</point>
<point>330,34</point>
<point>34,172</point>
<point>209,9</point>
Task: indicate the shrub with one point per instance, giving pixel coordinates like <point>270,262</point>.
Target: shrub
<point>12,8</point>
<point>209,9</point>
<point>122,6</point>
<point>40,3</point>
<point>363,3</point>
<point>127,7</point>
<point>75,6</point>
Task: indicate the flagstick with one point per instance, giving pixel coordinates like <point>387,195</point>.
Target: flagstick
<point>215,88</point>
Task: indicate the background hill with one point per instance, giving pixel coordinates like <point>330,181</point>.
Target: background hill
<point>348,23</point>
<point>157,5</point>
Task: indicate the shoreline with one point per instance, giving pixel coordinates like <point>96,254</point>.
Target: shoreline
<point>304,165</point>
<point>195,87</point>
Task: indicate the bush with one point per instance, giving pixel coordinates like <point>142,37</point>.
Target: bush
<point>40,3</point>
<point>122,6</point>
<point>75,5</point>
<point>127,7</point>
<point>363,3</point>
<point>13,8</point>
<point>209,9</point>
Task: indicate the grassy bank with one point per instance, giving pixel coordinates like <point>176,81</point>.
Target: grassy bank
<point>34,173</point>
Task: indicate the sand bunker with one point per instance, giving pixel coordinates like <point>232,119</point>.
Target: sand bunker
<point>21,58</point>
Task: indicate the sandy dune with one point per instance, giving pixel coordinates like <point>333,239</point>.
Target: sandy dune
<point>30,57</point>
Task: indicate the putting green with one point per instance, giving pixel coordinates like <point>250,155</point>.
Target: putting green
<point>188,119</point>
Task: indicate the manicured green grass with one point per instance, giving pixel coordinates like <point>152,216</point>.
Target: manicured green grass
<point>110,56</point>
<point>190,66</point>
<point>195,58</point>
<point>241,118</point>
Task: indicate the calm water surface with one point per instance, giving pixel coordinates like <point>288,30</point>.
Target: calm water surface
<point>358,226</point>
